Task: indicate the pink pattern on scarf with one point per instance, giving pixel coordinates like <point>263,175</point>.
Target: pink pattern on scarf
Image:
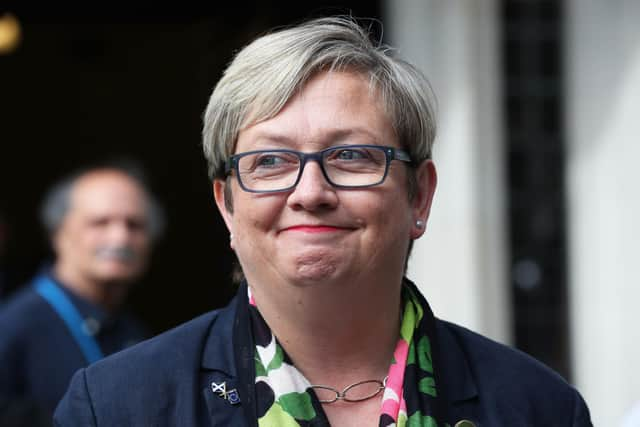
<point>252,301</point>
<point>395,377</point>
<point>395,382</point>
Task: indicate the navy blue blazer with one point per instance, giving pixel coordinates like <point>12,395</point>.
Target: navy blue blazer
<point>167,381</point>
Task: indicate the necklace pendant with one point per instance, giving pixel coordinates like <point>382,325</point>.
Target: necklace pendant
<point>353,393</point>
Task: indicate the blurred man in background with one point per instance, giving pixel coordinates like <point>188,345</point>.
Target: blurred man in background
<point>101,222</point>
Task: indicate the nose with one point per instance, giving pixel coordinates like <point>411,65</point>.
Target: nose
<point>313,191</point>
<point>119,232</point>
<point>124,231</point>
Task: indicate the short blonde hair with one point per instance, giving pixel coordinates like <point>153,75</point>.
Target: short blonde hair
<point>268,72</point>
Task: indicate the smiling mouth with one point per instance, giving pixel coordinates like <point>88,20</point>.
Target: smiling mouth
<point>315,228</point>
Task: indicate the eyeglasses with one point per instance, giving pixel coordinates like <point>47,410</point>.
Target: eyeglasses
<point>347,166</point>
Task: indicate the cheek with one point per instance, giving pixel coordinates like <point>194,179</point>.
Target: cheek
<point>388,210</point>
<point>94,237</point>
<point>392,217</point>
<point>140,239</point>
<point>257,213</point>
<point>83,241</point>
<point>92,240</point>
<point>142,249</point>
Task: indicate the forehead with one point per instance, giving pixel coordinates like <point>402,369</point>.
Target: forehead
<point>332,107</point>
<point>107,192</point>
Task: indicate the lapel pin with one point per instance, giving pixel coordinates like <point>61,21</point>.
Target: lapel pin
<point>221,388</point>
<point>231,396</point>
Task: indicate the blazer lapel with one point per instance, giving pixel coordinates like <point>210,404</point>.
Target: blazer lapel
<point>218,379</point>
<point>457,383</point>
<point>228,367</point>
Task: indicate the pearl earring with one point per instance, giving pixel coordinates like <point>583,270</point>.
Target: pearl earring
<point>419,223</point>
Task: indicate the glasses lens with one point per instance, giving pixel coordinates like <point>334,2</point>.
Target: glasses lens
<point>268,170</point>
<point>355,166</point>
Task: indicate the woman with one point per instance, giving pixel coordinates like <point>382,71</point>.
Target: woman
<point>319,145</point>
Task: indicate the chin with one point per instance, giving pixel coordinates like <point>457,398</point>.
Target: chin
<point>312,269</point>
<point>118,275</point>
<point>308,275</point>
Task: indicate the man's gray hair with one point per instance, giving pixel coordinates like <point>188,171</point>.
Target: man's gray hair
<point>268,72</point>
<point>57,201</point>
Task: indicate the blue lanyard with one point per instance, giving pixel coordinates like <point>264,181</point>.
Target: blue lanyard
<point>66,310</point>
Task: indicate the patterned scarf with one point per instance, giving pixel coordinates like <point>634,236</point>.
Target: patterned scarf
<point>284,397</point>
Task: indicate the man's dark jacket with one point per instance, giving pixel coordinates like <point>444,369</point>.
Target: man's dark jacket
<point>170,381</point>
<point>38,354</point>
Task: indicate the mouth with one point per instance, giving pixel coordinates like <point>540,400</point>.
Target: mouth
<point>123,254</point>
<point>314,229</point>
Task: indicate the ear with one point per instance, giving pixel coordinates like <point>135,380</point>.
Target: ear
<point>426,180</point>
<point>218,194</point>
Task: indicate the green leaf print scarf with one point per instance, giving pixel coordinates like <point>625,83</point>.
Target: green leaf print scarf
<point>284,397</point>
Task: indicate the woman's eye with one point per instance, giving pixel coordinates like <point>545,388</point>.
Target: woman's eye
<point>350,155</point>
<point>269,160</point>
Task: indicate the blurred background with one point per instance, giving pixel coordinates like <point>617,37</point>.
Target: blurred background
<point>532,239</point>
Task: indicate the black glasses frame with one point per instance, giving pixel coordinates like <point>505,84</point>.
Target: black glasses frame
<point>391,153</point>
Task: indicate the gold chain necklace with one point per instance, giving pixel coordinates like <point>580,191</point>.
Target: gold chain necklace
<point>367,389</point>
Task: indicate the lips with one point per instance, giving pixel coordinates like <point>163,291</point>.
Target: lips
<point>315,228</point>
<point>116,253</point>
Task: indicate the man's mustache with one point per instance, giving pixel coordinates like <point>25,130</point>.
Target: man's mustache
<point>119,253</point>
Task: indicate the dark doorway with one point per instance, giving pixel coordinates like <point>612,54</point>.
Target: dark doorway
<point>533,88</point>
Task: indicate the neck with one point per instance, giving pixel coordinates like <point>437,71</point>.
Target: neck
<point>106,295</point>
<point>336,334</point>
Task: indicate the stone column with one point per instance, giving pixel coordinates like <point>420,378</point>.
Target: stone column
<point>603,124</point>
